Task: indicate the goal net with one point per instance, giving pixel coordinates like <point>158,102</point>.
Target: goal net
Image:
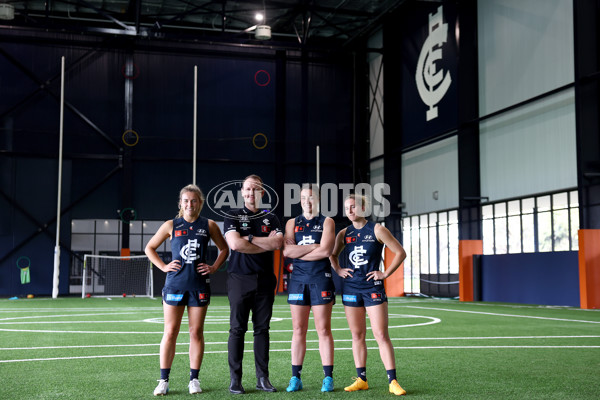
<point>117,275</point>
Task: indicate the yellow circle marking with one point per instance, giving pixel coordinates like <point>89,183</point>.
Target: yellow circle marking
<point>254,141</point>
<point>137,137</point>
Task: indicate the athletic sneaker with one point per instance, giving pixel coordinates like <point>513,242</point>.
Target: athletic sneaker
<point>358,384</point>
<point>327,384</point>
<point>396,388</point>
<point>194,386</point>
<point>295,384</point>
<point>162,388</point>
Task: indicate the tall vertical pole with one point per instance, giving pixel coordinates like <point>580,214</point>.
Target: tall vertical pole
<point>195,122</point>
<point>318,169</point>
<point>127,155</point>
<point>59,188</point>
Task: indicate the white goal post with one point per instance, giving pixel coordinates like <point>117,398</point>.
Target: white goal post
<point>111,276</point>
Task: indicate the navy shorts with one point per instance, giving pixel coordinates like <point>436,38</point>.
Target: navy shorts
<point>364,298</point>
<point>311,294</point>
<point>190,298</point>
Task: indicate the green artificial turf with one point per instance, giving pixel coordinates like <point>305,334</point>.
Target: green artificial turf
<point>72,348</point>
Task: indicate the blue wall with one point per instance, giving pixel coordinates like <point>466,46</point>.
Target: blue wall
<point>531,278</point>
<point>304,104</point>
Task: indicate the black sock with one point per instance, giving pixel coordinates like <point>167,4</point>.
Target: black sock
<point>362,373</point>
<point>194,373</point>
<point>391,373</point>
<point>296,370</point>
<point>164,373</point>
<point>328,370</point>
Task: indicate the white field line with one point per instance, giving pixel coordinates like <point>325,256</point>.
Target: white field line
<point>308,349</point>
<point>307,341</point>
<point>504,315</point>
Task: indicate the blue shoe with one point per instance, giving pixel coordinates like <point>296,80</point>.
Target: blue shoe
<point>295,384</point>
<point>327,384</point>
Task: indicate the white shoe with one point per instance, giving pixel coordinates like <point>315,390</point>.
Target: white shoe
<point>162,388</point>
<point>194,386</point>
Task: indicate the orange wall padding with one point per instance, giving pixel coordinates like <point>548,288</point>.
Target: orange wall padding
<point>278,270</point>
<point>466,250</point>
<point>394,285</point>
<point>589,268</point>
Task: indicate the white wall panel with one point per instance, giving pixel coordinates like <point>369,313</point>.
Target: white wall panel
<point>530,150</point>
<point>525,49</point>
<point>429,169</point>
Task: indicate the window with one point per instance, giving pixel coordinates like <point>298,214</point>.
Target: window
<point>542,223</point>
<point>431,244</point>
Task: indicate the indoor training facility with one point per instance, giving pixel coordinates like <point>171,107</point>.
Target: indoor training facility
<point>471,126</point>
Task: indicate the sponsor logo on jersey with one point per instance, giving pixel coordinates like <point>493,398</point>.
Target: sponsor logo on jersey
<point>317,228</point>
<point>174,297</point>
<point>265,229</point>
<point>376,296</point>
<point>298,229</point>
<point>327,275</point>
<point>182,232</point>
<point>350,239</point>
<point>349,297</point>
<point>326,293</point>
<point>368,238</point>
<point>376,283</point>
<point>202,296</point>
<point>201,232</point>
<point>296,296</point>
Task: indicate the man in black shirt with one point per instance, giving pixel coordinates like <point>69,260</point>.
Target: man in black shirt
<point>252,235</point>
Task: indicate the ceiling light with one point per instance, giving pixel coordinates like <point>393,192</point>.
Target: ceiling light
<point>262,32</point>
<point>259,17</point>
<point>7,11</point>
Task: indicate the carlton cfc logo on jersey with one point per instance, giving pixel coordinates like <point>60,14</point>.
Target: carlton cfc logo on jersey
<point>299,229</point>
<point>182,232</point>
<point>350,239</point>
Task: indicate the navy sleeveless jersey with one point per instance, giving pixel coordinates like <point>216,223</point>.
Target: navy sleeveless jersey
<point>189,242</point>
<point>364,255</point>
<point>309,232</point>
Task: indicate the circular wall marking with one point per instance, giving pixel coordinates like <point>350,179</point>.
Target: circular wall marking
<point>136,72</point>
<point>130,137</point>
<point>128,214</point>
<point>19,264</point>
<point>263,81</point>
<point>262,135</point>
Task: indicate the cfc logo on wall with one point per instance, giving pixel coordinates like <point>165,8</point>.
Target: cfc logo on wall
<point>432,83</point>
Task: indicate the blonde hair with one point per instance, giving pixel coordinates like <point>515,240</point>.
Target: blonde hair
<point>360,202</point>
<point>193,189</point>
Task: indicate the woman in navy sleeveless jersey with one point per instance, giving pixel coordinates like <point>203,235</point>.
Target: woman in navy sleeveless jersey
<point>363,291</point>
<point>187,282</point>
<point>309,240</point>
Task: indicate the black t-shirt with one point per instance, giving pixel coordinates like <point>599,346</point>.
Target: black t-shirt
<point>259,224</point>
